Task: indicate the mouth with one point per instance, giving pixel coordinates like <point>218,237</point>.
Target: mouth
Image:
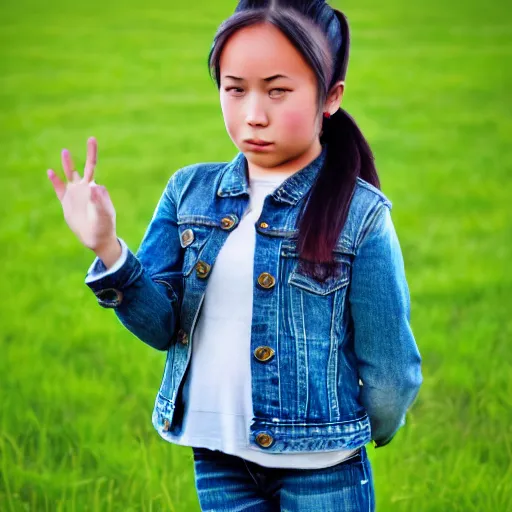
<point>258,144</point>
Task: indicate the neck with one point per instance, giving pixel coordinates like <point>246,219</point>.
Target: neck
<point>287,167</point>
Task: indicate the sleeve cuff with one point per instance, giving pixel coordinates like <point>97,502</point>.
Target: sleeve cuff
<point>381,443</point>
<point>97,270</point>
<point>110,285</point>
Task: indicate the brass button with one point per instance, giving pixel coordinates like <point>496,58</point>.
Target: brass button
<point>263,225</point>
<point>266,280</point>
<point>167,425</point>
<point>202,269</point>
<point>263,353</point>
<point>228,222</point>
<point>182,337</point>
<point>264,439</point>
<point>187,237</point>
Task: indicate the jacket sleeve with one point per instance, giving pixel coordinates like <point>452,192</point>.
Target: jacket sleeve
<point>145,288</point>
<point>389,362</point>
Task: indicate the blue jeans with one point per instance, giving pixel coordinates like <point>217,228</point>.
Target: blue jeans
<point>227,483</point>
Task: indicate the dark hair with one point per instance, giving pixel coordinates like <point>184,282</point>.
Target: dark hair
<point>321,34</point>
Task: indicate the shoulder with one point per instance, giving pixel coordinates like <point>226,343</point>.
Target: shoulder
<point>369,208</point>
<point>202,170</point>
<point>371,194</point>
<point>194,174</point>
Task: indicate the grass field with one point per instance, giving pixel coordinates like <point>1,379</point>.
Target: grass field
<point>429,84</point>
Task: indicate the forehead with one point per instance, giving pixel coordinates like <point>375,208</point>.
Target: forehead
<point>262,50</point>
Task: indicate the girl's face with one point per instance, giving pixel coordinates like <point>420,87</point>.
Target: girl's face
<point>268,95</point>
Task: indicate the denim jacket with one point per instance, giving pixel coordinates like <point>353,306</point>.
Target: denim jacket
<point>334,364</point>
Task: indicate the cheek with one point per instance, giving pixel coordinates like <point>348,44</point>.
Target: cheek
<point>230,114</point>
<point>297,122</point>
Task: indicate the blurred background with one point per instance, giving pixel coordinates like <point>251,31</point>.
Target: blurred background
<point>429,84</point>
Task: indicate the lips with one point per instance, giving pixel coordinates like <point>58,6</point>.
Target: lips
<point>258,142</point>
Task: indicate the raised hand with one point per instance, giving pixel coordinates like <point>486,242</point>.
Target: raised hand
<point>87,207</point>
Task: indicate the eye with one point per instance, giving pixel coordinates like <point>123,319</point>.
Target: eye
<point>280,91</point>
<point>235,91</point>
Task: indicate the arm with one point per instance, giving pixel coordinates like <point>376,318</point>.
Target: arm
<point>145,289</point>
<point>389,362</point>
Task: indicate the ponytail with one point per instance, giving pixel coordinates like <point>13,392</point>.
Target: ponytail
<point>348,157</point>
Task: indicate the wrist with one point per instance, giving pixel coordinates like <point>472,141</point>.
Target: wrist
<point>109,252</point>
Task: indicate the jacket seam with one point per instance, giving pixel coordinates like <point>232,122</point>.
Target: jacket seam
<point>309,424</point>
<point>371,220</point>
<point>378,193</point>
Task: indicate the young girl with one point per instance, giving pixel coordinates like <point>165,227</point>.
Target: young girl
<point>275,282</point>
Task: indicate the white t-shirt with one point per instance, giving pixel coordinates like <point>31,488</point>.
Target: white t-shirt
<point>217,391</point>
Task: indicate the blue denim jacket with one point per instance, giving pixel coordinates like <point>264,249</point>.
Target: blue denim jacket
<point>334,364</point>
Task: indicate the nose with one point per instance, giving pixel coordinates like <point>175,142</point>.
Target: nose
<point>256,114</point>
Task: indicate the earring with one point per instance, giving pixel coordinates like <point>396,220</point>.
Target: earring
<point>327,115</point>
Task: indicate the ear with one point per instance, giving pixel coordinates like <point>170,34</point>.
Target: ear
<point>334,98</point>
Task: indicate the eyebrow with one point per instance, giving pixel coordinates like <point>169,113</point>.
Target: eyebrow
<point>268,79</point>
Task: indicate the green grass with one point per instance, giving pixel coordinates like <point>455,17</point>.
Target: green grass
<point>429,84</point>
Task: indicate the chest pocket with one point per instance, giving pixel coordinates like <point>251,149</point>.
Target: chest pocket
<point>193,237</point>
<point>300,279</point>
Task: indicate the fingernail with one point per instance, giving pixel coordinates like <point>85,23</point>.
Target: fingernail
<point>50,173</point>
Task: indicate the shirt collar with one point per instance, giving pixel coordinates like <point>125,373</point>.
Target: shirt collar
<point>234,182</point>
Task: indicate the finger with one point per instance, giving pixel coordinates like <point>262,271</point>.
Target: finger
<point>67,164</point>
<point>107,201</point>
<point>95,195</point>
<point>92,156</point>
<point>102,199</point>
<point>58,185</point>
<point>100,193</point>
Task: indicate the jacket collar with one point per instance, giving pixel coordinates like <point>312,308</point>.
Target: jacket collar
<point>234,181</point>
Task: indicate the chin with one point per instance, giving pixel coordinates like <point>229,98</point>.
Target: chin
<point>264,160</point>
